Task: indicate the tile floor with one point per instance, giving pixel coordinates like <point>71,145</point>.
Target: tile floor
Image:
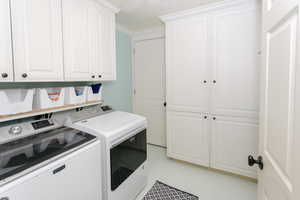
<point>205,183</point>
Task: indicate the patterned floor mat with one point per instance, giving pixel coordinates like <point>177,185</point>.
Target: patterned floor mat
<point>161,191</point>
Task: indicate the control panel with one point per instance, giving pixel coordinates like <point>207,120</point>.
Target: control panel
<point>42,124</point>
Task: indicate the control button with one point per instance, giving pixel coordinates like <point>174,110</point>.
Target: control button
<point>42,124</point>
<point>15,130</point>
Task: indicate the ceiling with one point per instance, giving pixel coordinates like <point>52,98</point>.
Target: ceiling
<point>138,15</point>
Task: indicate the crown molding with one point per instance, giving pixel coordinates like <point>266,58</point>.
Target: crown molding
<point>108,5</point>
<point>206,8</point>
<point>124,29</point>
<point>148,34</point>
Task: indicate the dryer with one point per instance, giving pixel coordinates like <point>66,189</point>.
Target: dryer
<point>124,150</point>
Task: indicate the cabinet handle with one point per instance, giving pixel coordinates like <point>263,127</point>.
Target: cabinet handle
<point>204,81</point>
<point>214,118</point>
<point>59,169</point>
<point>4,75</point>
<point>205,117</point>
<point>24,75</point>
<point>93,76</point>
<point>214,81</point>
<point>100,76</point>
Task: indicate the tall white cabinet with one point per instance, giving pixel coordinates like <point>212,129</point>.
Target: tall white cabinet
<point>6,67</point>
<point>212,84</point>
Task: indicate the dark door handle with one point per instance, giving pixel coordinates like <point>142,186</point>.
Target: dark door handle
<point>24,75</point>
<point>59,169</point>
<point>4,75</point>
<point>100,76</point>
<point>259,162</point>
<point>165,104</point>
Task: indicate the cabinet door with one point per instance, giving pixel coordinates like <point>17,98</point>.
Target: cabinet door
<point>108,69</point>
<point>233,140</point>
<point>236,62</point>
<point>188,137</point>
<point>187,69</point>
<point>77,49</point>
<point>95,39</point>
<point>6,67</point>
<point>37,39</point>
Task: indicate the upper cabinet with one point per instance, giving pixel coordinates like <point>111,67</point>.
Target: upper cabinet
<point>89,41</point>
<point>57,40</point>
<point>6,69</point>
<point>212,66</point>
<point>37,40</point>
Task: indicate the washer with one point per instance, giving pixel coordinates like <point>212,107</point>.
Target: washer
<point>37,155</point>
<point>124,153</point>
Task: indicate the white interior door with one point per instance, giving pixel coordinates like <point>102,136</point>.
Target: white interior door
<point>149,86</point>
<point>280,117</point>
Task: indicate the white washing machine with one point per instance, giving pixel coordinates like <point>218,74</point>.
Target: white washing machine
<point>124,152</point>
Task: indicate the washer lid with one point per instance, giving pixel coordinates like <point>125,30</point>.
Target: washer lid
<point>112,124</point>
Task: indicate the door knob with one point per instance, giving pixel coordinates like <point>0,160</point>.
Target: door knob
<point>259,162</point>
<point>4,75</point>
<point>24,75</point>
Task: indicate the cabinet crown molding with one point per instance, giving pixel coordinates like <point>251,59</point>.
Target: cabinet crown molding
<point>208,8</point>
<point>108,5</point>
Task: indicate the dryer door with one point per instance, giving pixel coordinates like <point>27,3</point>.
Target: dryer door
<point>126,157</point>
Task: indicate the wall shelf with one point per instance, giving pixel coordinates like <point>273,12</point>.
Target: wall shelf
<point>5,118</point>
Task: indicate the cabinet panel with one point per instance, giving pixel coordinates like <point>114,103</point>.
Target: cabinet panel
<point>188,137</point>
<point>95,39</point>
<point>236,67</point>
<point>77,50</point>
<point>37,39</point>
<point>233,140</point>
<point>187,70</point>
<point>6,67</point>
<point>108,70</point>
